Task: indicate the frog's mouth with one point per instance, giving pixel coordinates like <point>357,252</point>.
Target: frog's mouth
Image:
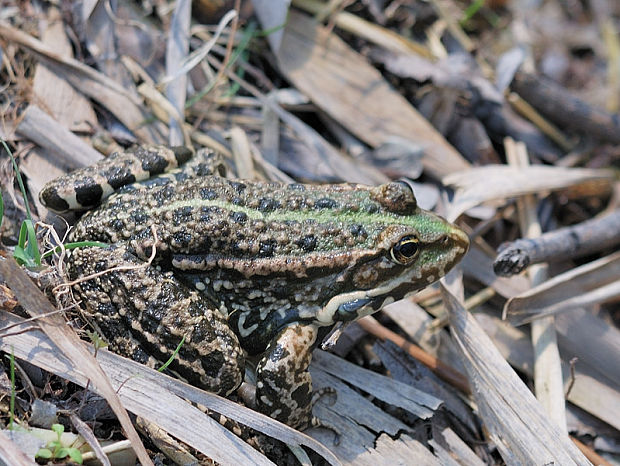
<point>356,304</point>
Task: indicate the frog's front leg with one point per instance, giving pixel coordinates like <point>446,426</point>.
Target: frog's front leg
<point>284,384</point>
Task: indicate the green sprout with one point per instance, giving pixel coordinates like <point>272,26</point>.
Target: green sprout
<point>56,450</point>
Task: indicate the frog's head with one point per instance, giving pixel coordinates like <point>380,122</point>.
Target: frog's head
<point>407,248</point>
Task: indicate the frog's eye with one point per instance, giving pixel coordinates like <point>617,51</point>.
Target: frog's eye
<point>406,250</point>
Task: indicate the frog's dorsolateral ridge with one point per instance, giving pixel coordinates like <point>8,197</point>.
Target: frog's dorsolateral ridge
<point>242,268</point>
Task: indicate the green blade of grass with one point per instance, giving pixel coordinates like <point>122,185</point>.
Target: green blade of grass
<point>27,250</point>
<point>18,175</point>
<point>171,358</point>
<point>471,10</point>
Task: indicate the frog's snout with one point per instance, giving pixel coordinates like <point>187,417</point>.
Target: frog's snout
<point>460,241</point>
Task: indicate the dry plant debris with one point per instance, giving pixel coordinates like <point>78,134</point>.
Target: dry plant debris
<point>506,112</point>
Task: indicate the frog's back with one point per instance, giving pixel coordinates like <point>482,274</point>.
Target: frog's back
<point>241,219</point>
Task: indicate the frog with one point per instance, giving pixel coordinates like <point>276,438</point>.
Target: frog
<point>218,274</point>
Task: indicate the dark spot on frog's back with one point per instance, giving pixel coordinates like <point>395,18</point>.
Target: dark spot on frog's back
<point>239,217</point>
<point>88,192</point>
<point>296,187</point>
<point>325,203</point>
<point>208,194</point>
<point>268,205</point>
<point>181,239</point>
<point>267,248</point>
<point>151,319</point>
<point>105,309</point>
<point>139,355</point>
<point>307,243</point>
<point>117,224</point>
<point>139,217</point>
<point>237,186</point>
<point>358,230</point>
<point>182,214</point>
<point>164,194</point>
<point>101,265</point>
<point>372,208</point>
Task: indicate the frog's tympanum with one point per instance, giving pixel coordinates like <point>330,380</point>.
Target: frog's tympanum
<point>243,270</point>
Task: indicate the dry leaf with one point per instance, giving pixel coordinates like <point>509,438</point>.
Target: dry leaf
<point>515,420</point>
<point>500,182</point>
<point>589,284</point>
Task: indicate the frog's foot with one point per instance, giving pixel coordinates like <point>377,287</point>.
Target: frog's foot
<point>149,316</point>
<point>315,421</point>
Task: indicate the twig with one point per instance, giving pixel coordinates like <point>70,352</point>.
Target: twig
<point>589,453</point>
<point>229,44</point>
<point>566,110</point>
<point>572,363</point>
<point>90,438</point>
<point>378,35</point>
<point>529,112</point>
<point>565,243</point>
<point>441,369</point>
<point>30,319</point>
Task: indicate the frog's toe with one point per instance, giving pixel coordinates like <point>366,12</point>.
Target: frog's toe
<point>318,423</point>
<point>325,391</point>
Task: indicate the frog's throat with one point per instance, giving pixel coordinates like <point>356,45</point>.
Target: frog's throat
<point>326,315</point>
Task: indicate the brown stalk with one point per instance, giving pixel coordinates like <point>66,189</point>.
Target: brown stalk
<point>441,369</point>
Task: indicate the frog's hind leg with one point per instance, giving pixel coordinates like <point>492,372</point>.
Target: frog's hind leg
<point>89,186</point>
<point>284,384</point>
<point>86,187</point>
<point>145,314</point>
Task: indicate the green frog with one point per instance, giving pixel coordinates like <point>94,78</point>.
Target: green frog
<point>235,271</point>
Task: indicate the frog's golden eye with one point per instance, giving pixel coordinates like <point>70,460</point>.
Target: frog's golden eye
<point>406,250</point>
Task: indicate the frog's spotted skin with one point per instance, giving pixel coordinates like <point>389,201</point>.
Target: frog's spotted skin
<point>266,265</point>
